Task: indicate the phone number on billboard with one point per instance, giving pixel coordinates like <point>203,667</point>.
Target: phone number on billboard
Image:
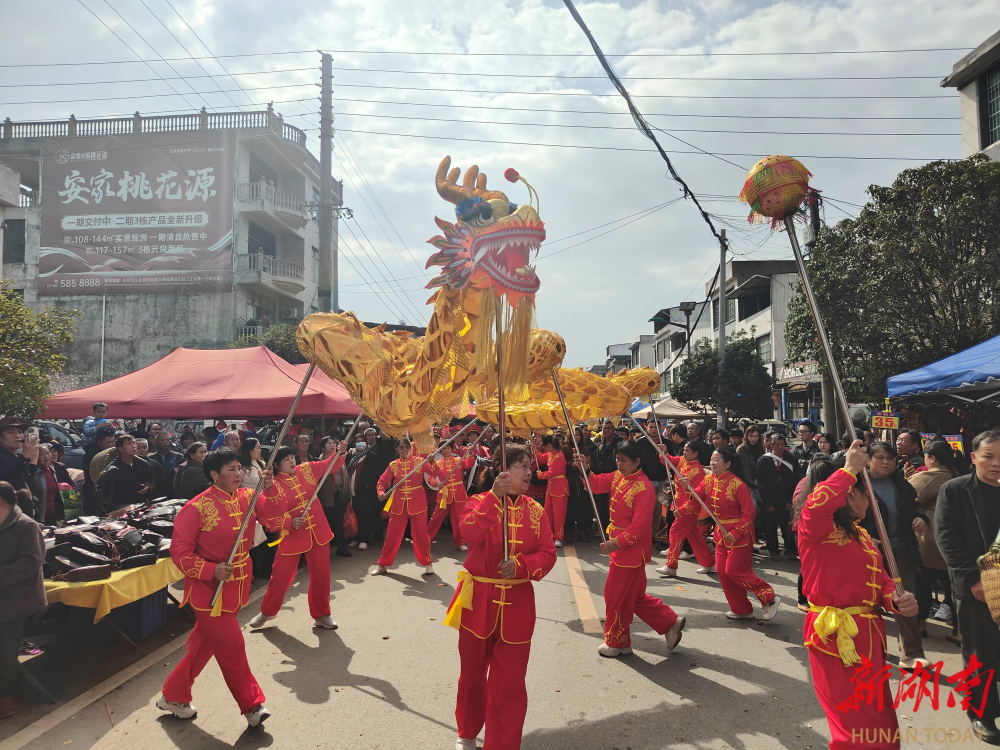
<point>67,283</point>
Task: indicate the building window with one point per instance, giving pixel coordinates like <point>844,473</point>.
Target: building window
<point>261,241</point>
<point>754,303</point>
<point>316,267</point>
<point>259,305</point>
<point>764,348</point>
<point>13,241</point>
<point>261,172</point>
<point>992,101</point>
<point>678,343</point>
<point>730,311</point>
<point>664,382</point>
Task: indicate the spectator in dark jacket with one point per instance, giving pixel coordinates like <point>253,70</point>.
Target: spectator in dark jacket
<point>105,439</point>
<point>22,553</point>
<point>897,501</point>
<point>164,464</point>
<point>58,452</point>
<point>604,463</point>
<point>804,451</point>
<point>651,464</point>
<point>909,458</point>
<point>18,469</point>
<point>191,479</point>
<point>677,436</point>
<point>777,475</point>
<point>127,480</point>
<point>45,489</point>
<point>966,523</point>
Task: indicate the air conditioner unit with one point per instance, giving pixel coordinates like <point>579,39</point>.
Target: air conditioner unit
<point>288,312</point>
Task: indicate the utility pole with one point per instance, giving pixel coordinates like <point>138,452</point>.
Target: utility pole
<point>328,252</point>
<point>720,415</point>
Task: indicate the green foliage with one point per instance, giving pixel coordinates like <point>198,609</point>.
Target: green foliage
<point>747,385</point>
<point>31,346</point>
<point>279,338</point>
<point>912,280</point>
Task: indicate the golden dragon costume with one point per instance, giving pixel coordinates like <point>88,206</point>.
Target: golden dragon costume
<point>408,384</point>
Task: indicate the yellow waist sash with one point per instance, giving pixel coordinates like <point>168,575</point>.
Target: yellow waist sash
<point>730,520</point>
<point>464,599</point>
<point>831,620</point>
<point>558,476</point>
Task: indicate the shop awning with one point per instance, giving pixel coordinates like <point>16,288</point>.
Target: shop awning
<point>970,376</point>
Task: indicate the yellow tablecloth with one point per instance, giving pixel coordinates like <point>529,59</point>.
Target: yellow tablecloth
<point>123,587</point>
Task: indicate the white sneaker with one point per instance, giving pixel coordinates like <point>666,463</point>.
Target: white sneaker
<point>464,548</point>
<point>703,569</point>
<point>465,744</point>
<point>733,616</point>
<point>259,620</point>
<point>610,651</point>
<point>363,545</point>
<point>379,570</point>
<point>665,552</point>
<point>673,635</point>
<point>353,544</point>
<point>180,710</point>
<point>428,571</point>
<point>558,543</point>
<point>668,572</point>
<point>770,610</point>
<point>911,664</point>
<point>943,613</point>
<point>325,622</point>
<point>686,556</point>
<point>256,716</point>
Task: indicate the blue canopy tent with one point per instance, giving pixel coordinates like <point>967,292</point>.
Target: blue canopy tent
<point>969,377</point>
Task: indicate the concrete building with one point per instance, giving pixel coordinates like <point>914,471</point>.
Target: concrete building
<point>600,370</point>
<point>619,357</point>
<point>252,188</point>
<point>641,351</point>
<point>977,78</point>
<point>671,339</point>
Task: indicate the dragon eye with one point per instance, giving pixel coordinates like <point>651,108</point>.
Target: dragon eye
<point>481,218</point>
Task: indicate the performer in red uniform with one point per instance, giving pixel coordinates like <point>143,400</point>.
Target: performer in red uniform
<point>205,530</point>
<point>308,535</point>
<point>843,577</point>
<point>409,503</point>
<point>686,514</point>
<point>630,545</point>
<point>728,497</point>
<point>494,606</point>
<point>451,496</point>
<point>557,489</point>
<point>539,459</point>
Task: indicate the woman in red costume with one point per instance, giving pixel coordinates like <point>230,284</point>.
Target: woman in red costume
<point>557,488</point>
<point>728,497</point>
<point>843,578</point>
<point>205,530</point>
<point>494,605</point>
<point>408,503</point>
<point>686,513</point>
<point>308,535</point>
<point>630,545</point>
<point>451,497</point>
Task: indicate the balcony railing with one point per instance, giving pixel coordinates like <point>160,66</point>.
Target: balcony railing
<point>265,263</point>
<point>27,199</point>
<point>243,332</point>
<point>262,191</point>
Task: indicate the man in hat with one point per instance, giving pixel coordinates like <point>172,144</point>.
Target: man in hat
<point>14,468</point>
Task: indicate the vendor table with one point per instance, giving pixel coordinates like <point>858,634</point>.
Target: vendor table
<point>123,587</point>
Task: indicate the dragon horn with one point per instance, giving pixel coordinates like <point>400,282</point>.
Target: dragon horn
<point>470,177</point>
<point>487,195</point>
<point>447,188</point>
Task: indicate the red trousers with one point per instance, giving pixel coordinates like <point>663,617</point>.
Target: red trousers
<point>555,511</point>
<point>455,509</point>
<point>735,569</point>
<point>283,573</point>
<point>491,690</point>
<point>222,638</point>
<point>394,537</point>
<point>624,596</point>
<point>685,526</point>
<point>866,726</point>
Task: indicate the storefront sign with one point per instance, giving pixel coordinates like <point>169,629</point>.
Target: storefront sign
<point>151,213</point>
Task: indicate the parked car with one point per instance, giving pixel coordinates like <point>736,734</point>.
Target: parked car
<point>71,440</point>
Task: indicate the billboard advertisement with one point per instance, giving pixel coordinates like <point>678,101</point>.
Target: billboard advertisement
<point>133,214</point>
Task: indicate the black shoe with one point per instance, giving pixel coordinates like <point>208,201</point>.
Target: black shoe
<point>343,553</point>
<point>985,732</point>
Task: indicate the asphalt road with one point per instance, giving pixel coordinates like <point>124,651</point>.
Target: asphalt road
<point>387,678</point>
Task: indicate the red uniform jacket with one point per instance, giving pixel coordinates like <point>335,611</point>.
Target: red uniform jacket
<point>296,490</point>
<point>558,485</point>
<point>509,606</point>
<point>454,489</point>
<point>729,499</point>
<point>841,571</point>
<point>695,474</point>
<point>410,495</point>
<point>631,507</point>
<point>204,532</point>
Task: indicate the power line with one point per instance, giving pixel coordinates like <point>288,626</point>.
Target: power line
<point>386,299</point>
<point>158,96</point>
<point>404,300</point>
<point>617,148</point>
<point>650,212</point>
<point>622,127</point>
<point>148,80</point>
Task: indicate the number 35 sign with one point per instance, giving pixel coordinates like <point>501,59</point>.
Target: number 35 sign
<point>885,420</point>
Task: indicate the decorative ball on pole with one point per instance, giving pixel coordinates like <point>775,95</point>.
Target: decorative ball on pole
<point>775,186</point>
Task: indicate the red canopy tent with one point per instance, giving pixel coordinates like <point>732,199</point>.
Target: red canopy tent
<point>206,384</point>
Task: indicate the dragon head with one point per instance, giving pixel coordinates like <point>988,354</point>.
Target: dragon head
<point>490,244</point>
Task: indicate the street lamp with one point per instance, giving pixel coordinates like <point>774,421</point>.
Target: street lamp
<point>687,308</point>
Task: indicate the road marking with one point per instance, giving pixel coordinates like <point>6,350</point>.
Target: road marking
<point>584,602</point>
<point>65,712</point>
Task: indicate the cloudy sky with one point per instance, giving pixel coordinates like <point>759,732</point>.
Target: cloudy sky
<point>504,84</point>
